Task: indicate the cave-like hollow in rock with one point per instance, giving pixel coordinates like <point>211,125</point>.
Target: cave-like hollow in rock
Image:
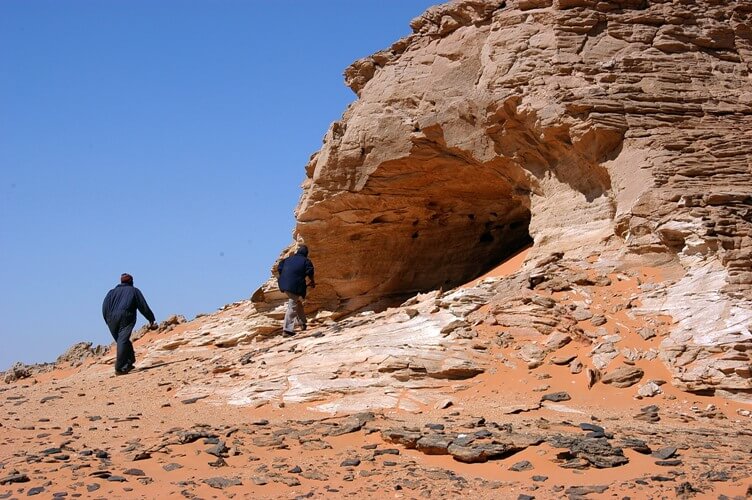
<point>418,224</point>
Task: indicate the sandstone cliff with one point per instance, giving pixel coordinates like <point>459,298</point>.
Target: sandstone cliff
<point>617,128</point>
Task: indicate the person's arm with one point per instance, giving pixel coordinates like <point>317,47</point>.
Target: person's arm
<point>106,305</point>
<point>144,307</point>
<point>309,273</point>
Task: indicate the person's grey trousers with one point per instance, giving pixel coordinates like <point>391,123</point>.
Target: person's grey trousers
<point>121,327</point>
<point>295,313</point>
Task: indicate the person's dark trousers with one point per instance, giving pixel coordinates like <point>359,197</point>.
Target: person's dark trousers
<point>121,328</point>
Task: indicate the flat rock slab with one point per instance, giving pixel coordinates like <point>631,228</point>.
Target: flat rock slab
<point>665,453</point>
<point>563,360</point>
<point>433,444</point>
<point>192,400</point>
<point>14,478</point>
<point>556,397</point>
<point>408,439</point>
<point>482,452</point>
<point>585,490</point>
<point>221,483</point>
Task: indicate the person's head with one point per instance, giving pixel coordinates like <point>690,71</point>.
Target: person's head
<point>302,250</point>
<point>126,278</point>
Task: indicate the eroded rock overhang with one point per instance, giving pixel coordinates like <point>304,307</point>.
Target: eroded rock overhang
<point>578,125</point>
<point>441,170</point>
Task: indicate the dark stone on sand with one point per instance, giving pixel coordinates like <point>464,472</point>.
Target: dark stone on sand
<point>585,426</point>
<point>716,475</point>
<point>350,462</point>
<point>221,483</point>
<point>556,397</point>
<point>353,423</point>
<point>406,438</point>
<point>668,463</point>
<point>482,452</point>
<point>14,478</point>
<point>218,450</point>
<point>597,451</point>
<point>637,445</point>
<point>194,435</point>
<point>585,490</point>
<point>386,451</point>
<point>483,433</point>
<point>661,479</point>
<point>665,453</point>
<point>685,490</point>
<point>35,491</point>
<point>433,444</point>
<point>190,401</point>
<point>521,466</point>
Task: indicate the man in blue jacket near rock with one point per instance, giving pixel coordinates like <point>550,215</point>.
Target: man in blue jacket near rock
<point>293,272</point>
<point>119,311</point>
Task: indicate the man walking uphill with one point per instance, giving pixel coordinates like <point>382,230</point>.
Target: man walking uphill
<point>119,311</point>
<point>292,280</point>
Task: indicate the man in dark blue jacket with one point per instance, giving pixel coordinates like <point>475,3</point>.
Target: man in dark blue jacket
<point>292,280</point>
<point>119,311</point>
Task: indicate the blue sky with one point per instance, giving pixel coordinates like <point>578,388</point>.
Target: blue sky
<point>166,139</point>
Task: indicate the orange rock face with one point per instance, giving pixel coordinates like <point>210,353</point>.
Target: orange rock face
<point>616,127</point>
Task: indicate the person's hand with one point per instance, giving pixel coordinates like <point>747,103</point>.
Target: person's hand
<point>312,284</point>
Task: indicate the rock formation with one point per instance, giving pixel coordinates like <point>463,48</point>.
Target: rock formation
<point>618,127</point>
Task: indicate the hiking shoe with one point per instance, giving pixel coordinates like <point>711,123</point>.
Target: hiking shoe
<point>118,372</point>
<point>304,327</point>
<point>285,333</point>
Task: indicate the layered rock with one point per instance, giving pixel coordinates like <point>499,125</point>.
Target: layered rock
<point>614,126</point>
<point>400,358</point>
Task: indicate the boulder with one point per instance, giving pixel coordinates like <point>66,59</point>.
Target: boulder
<point>623,376</point>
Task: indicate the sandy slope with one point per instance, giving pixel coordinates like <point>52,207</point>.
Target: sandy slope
<point>54,426</point>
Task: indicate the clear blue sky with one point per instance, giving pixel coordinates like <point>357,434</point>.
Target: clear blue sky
<point>166,139</point>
